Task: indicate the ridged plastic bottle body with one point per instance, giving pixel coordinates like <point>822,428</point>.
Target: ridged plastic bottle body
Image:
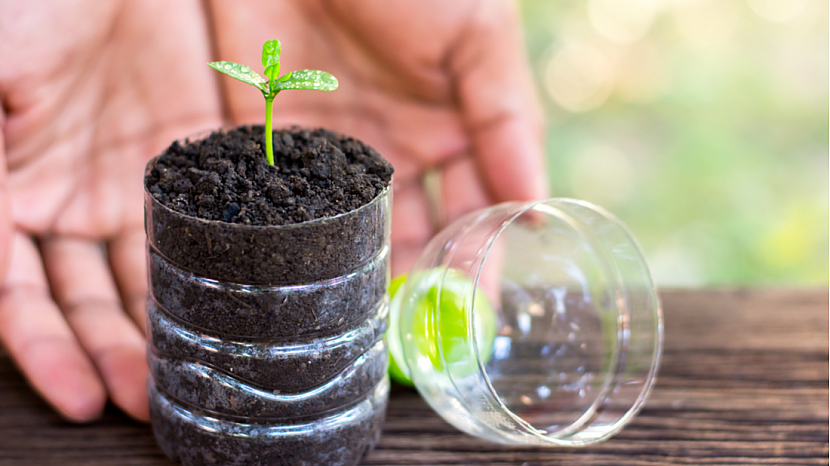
<point>266,343</point>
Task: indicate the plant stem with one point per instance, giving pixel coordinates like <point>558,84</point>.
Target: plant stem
<point>269,134</point>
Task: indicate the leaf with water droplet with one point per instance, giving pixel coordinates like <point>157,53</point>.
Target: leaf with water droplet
<point>307,79</point>
<point>271,60</point>
<point>271,53</point>
<point>240,72</point>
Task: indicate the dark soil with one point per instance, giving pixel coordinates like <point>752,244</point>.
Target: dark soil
<point>198,386</point>
<point>349,207</point>
<point>286,367</point>
<point>341,439</point>
<point>268,298</point>
<point>275,313</point>
<point>316,174</point>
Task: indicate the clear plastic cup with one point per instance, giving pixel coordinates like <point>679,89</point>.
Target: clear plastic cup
<point>531,324</point>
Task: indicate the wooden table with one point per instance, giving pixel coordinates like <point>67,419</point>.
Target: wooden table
<point>744,380</point>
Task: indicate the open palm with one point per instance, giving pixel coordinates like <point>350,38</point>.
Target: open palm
<point>96,89</point>
<point>438,87</point>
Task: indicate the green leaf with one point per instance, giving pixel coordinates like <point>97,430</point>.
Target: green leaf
<point>271,73</point>
<point>271,53</point>
<point>307,79</point>
<point>271,50</point>
<point>240,72</point>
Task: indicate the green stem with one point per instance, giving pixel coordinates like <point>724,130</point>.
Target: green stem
<point>269,134</point>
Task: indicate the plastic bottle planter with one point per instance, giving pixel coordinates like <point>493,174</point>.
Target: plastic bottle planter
<point>266,342</point>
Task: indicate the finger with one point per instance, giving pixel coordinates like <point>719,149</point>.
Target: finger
<point>456,191</point>
<point>40,341</point>
<point>85,291</point>
<point>127,260</point>
<point>499,103</point>
<point>462,188</point>
<point>5,205</point>
<point>464,192</point>
<point>410,225</point>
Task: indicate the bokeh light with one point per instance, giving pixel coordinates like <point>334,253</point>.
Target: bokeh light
<point>707,23</point>
<point>703,124</point>
<point>777,11</point>
<point>578,77</point>
<point>623,22</point>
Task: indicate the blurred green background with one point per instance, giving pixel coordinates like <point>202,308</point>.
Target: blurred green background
<point>702,124</point>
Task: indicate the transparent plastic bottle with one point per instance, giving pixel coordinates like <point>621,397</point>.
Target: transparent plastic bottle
<point>266,343</point>
<point>531,324</point>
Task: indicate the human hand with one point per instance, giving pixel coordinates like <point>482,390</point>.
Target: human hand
<point>433,86</point>
<point>428,87</point>
<point>90,91</point>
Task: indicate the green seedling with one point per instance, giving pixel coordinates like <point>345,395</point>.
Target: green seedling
<point>273,83</point>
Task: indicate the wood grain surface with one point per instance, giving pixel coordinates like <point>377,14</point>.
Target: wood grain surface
<point>744,380</point>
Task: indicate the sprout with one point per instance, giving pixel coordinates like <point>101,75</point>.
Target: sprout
<point>273,83</point>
